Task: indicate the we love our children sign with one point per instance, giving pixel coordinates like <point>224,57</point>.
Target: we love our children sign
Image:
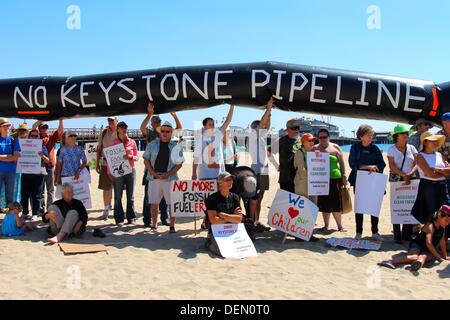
<point>293,214</point>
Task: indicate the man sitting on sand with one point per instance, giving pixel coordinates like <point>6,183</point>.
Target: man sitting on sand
<point>66,216</point>
<point>222,207</point>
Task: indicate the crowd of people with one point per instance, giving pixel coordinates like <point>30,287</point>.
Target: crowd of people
<point>422,155</point>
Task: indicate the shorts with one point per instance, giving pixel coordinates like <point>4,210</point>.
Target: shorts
<point>263,181</point>
<point>157,189</point>
<point>415,245</point>
<point>104,181</point>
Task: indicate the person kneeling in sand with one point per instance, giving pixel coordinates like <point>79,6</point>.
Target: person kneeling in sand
<point>423,248</point>
<point>66,216</point>
<point>222,207</point>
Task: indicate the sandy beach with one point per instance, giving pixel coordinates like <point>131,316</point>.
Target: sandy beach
<point>142,265</point>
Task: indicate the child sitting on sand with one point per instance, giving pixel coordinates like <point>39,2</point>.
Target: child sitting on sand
<point>424,247</point>
<point>13,224</point>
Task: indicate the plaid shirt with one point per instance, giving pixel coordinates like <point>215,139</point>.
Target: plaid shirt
<point>176,156</point>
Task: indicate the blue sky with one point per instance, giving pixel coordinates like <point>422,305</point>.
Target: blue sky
<point>133,35</point>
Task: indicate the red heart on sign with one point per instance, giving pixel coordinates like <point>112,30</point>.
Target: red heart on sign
<point>293,213</point>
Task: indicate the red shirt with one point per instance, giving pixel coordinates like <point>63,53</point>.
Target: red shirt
<point>49,142</point>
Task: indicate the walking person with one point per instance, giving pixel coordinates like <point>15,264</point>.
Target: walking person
<point>364,155</point>
<point>105,183</point>
<point>150,134</point>
<point>127,181</point>
<point>50,141</point>
<point>402,166</point>
<point>33,184</point>
<point>332,203</point>
<point>163,158</point>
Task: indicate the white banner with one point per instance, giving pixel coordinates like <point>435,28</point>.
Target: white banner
<point>81,189</point>
<point>118,166</point>
<point>29,160</point>
<point>402,200</point>
<point>293,214</point>
<point>188,197</point>
<point>233,241</point>
<point>90,149</point>
<point>318,164</point>
<point>370,188</point>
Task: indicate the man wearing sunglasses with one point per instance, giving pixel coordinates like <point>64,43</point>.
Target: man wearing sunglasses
<point>162,158</point>
<point>287,146</point>
<point>105,140</point>
<point>422,125</point>
<point>151,134</point>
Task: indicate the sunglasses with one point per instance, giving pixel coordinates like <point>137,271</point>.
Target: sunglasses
<point>111,120</point>
<point>323,137</point>
<point>34,136</point>
<point>166,131</point>
<point>73,136</point>
<point>294,128</point>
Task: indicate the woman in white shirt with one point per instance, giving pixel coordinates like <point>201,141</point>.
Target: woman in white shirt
<point>402,165</point>
<point>432,191</point>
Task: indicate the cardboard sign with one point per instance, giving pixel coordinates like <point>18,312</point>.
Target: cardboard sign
<point>188,196</point>
<point>351,243</point>
<point>370,188</point>
<point>29,160</point>
<point>118,166</point>
<point>81,189</point>
<point>233,241</point>
<point>318,164</point>
<point>293,214</point>
<point>402,200</point>
<point>90,149</point>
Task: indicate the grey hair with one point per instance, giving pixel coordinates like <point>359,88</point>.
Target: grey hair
<point>66,186</point>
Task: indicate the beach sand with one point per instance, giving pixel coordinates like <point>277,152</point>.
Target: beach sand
<point>142,265</point>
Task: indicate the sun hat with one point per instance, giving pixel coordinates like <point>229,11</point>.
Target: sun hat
<point>431,137</point>
<point>400,128</point>
<point>4,121</point>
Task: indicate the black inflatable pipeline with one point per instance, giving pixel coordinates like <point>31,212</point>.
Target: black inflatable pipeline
<point>295,88</point>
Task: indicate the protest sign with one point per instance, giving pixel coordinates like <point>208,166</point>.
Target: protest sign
<point>90,149</point>
<point>318,164</point>
<point>402,200</point>
<point>117,164</point>
<point>188,197</point>
<point>351,243</point>
<point>29,160</point>
<point>81,189</point>
<point>233,241</point>
<point>370,188</point>
<point>293,214</point>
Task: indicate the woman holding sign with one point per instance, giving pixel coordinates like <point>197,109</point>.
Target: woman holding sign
<point>71,159</point>
<point>126,181</point>
<point>402,166</point>
<point>364,155</point>
<point>332,203</point>
<point>33,184</point>
<point>432,191</point>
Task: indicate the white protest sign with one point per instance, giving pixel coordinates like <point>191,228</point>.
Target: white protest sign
<point>370,188</point>
<point>351,243</point>
<point>90,149</point>
<point>402,200</point>
<point>188,196</point>
<point>293,214</point>
<point>117,164</point>
<point>233,240</point>
<point>318,164</point>
<point>81,189</point>
<point>29,160</point>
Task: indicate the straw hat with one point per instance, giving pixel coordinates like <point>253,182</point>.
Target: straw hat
<point>431,137</point>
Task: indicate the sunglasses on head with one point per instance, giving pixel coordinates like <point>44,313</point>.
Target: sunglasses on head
<point>296,128</point>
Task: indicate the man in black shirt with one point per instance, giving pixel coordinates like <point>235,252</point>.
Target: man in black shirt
<point>287,146</point>
<point>66,216</point>
<point>222,207</point>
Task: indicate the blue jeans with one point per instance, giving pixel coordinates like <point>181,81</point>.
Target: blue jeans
<point>146,208</point>
<point>119,184</point>
<point>8,182</point>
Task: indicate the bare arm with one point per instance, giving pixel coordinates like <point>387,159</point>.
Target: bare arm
<point>144,124</point>
<point>149,167</point>
<point>61,127</point>
<point>232,218</point>
<point>228,119</point>
<point>444,247</point>
<point>429,230</point>
<point>36,125</point>
<point>421,162</point>
<point>393,168</point>
<point>179,126</point>
<point>265,120</point>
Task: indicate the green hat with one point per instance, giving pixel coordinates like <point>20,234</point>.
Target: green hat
<point>400,128</point>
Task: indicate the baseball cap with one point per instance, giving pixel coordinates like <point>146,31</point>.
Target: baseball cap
<point>422,121</point>
<point>308,137</point>
<point>445,116</point>
<point>70,133</point>
<point>224,175</point>
<point>249,185</point>
<point>445,208</point>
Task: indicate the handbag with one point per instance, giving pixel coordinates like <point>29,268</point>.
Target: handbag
<point>346,200</point>
<point>393,177</point>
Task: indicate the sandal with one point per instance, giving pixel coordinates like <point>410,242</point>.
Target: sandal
<point>387,264</point>
<point>415,266</point>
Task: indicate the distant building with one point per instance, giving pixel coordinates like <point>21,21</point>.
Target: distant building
<point>311,125</point>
